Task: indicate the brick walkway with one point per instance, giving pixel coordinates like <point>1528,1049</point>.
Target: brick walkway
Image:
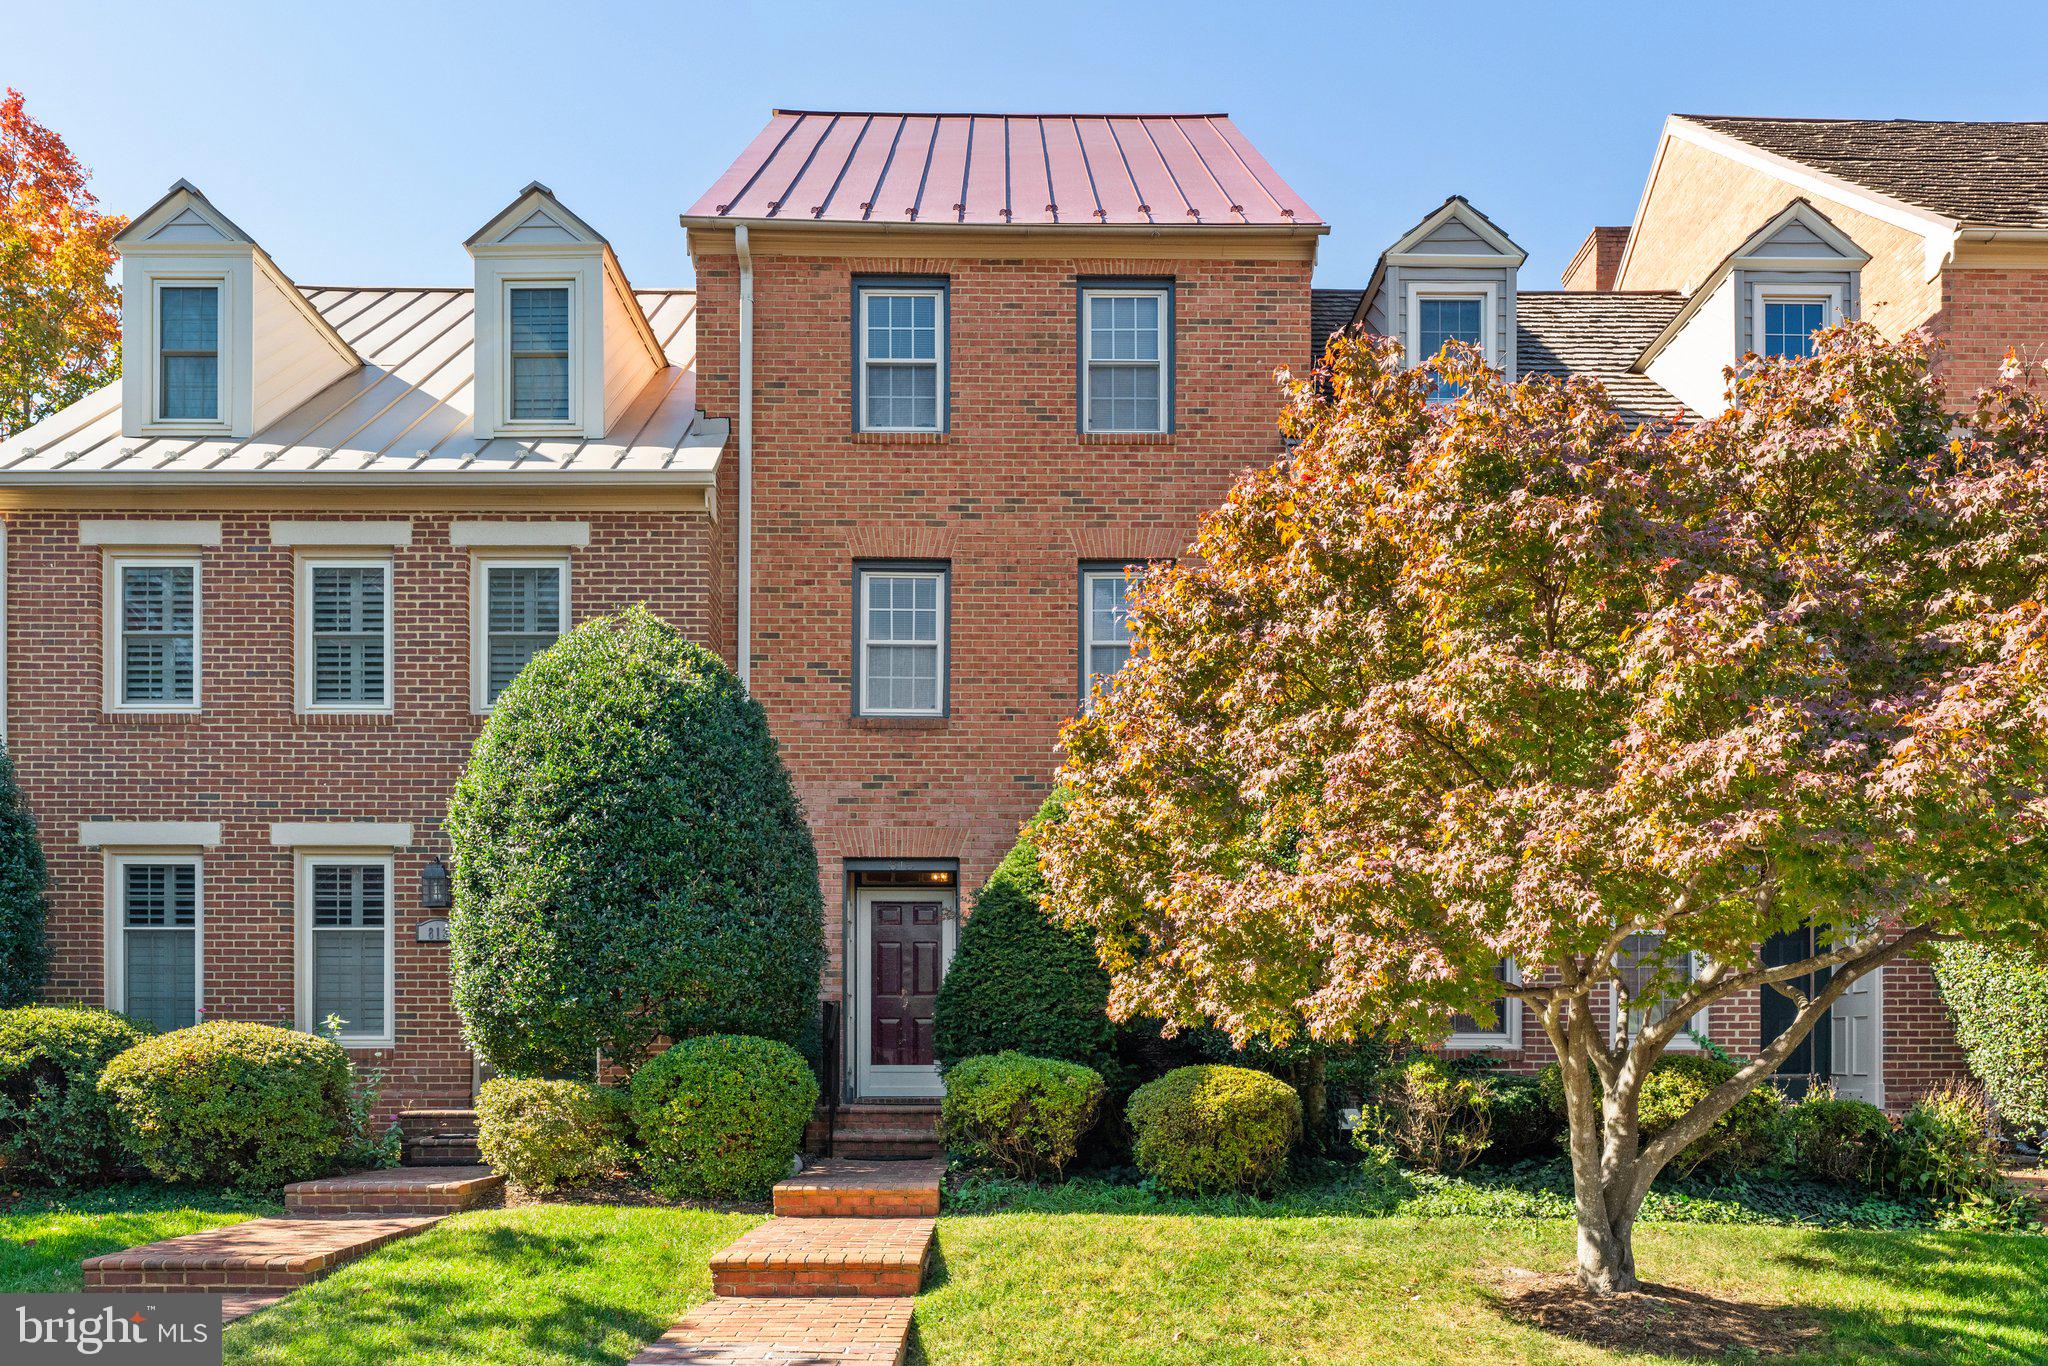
<point>828,1281</point>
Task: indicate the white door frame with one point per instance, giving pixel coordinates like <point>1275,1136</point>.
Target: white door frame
<point>869,1079</point>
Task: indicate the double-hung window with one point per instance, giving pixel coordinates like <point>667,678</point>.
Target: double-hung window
<point>522,607</point>
<point>188,353</point>
<point>346,936</point>
<point>155,651</point>
<point>1441,314</point>
<point>1126,357</point>
<point>345,620</point>
<point>901,640</point>
<point>156,954</point>
<point>1787,318</point>
<point>900,366</point>
<point>537,369</point>
<point>1105,627</point>
<point>1469,1031</point>
<point>1648,974</point>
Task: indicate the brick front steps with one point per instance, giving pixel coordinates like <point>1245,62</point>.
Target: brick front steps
<point>850,1188</point>
<point>439,1138</point>
<point>825,1257</point>
<point>841,1332</point>
<point>406,1190</point>
<point>263,1254</point>
<point>886,1129</point>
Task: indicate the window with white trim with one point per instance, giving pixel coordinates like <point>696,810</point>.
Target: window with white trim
<point>901,369</point>
<point>345,616</point>
<point>1126,358</point>
<point>522,607</point>
<point>1105,627</point>
<point>155,652</point>
<point>156,922</point>
<point>1786,321</point>
<point>1469,1031</point>
<point>537,363</point>
<point>346,923</point>
<point>188,352</point>
<point>901,641</point>
<point>1441,314</point>
<point>1643,967</point>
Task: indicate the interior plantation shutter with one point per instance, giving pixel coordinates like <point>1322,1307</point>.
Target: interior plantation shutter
<point>348,634</point>
<point>522,617</point>
<point>160,942</point>
<point>349,909</point>
<point>156,633</point>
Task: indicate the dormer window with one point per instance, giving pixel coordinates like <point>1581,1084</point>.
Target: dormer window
<point>539,361</point>
<point>1442,314</point>
<point>1787,319</point>
<point>188,353</point>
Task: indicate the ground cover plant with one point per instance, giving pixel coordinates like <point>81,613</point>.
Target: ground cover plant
<point>45,1234</point>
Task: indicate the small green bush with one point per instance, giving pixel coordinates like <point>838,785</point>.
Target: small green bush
<point>1943,1149</point>
<point>1999,1001</point>
<point>24,950</point>
<point>1523,1126</point>
<point>551,1135</point>
<point>1842,1141</point>
<point>229,1103</point>
<point>55,1127</point>
<point>1025,1115</point>
<point>1434,1115</point>
<point>1214,1127</point>
<point>720,1118</point>
<point>1750,1136</point>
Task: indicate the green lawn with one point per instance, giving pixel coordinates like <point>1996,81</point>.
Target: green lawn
<point>541,1284</point>
<point>43,1237</point>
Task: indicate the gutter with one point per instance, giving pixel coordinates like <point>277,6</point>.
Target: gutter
<point>746,510</point>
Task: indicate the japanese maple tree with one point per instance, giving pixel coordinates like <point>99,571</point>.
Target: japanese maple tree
<point>60,312</point>
<point>1506,678</point>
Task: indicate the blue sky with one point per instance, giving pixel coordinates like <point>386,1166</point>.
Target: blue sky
<point>361,143</point>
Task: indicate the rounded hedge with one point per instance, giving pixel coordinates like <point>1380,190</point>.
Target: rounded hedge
<point>720,1118</point>
<point>1843,1141</point>
<point>1018,982</point>
<point>1025,1115</point>
<point>24,951</point>
<point>55,1127</point>
<point>1998,999</point>
<point>552,1135</point>
<point>631,862</point>
<point>1213,1127</point>
<point>229,1103</point>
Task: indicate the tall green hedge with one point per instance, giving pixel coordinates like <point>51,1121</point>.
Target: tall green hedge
<point>1018,982</point>
<point>630,859</point>
<point>1999,998</point>
<point>56,1128</point>
<point>24,954</point>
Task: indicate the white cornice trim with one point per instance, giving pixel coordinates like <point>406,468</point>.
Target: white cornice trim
<point>341,835</point>
<point>133,531</point>
<point>149,834</point>
<point>480,535</point>
<point>397,533</point>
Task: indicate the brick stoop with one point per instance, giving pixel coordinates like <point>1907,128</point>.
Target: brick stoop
<point>887,1130</point>
<point>262,1254</point>
<point>406,1190</point>
<point>853,1188</point>
<point>439,1138</point>
<point>825,1257</point>
<point>840,1331</point>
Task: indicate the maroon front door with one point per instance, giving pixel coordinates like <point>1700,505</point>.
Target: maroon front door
<point>908,942</point>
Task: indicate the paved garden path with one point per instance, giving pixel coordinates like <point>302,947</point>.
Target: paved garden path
<point>829,1280</point>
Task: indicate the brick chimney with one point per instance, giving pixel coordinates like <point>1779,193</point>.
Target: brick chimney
<point>1598,259</point>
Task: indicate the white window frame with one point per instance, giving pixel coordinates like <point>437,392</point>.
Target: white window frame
<point>1165,294</point>
<point>1623,1016</point>
<point>941,347</point>
<point>1131,574</point>
<point>114,868</point>
<point>304,631</point>
<point>1828,294</point>
<point>480,615</point>
<point>307,861</point>
<point>224,395</point>
<point>1489,315</point>
<point>1507,1034</point>
<point>551,426</point>
<point>113,633</point>
<point>865,575</point>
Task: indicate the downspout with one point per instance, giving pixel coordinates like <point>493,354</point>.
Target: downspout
<point>746,514</point>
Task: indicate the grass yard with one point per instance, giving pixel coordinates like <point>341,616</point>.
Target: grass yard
<point>536,1285</point>
<point>44,1237</point>
<point>1117,1288</point>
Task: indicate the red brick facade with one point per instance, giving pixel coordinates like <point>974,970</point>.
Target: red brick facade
<point>1985,312</point>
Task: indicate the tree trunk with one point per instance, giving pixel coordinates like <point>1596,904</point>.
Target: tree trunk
<point>1604,1170</point>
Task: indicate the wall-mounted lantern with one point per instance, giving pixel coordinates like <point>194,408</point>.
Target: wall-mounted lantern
<point>435,891</point>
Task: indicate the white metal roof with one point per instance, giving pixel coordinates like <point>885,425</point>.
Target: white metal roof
<point>403,419</point>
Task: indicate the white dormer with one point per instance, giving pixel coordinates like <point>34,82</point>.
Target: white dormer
<point>1796,274</point>
<point>562,346</point>
<point>1450,277</point>
<point>217,340</point>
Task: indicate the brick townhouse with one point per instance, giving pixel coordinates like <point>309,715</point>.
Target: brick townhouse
<point>944,384</point>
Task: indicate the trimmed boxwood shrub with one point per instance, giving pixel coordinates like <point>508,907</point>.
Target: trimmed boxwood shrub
<point>228,1103</point>
<point>24,952</point>
<point>1214,1127</point>
<point>720,1117</point>
<point>1998,999</point>
<point>1025,1115</point>
<point>55,1127</point>
<point>1749,1136</point>
<point>1523,1125</point>
<point>631,862</point>
<point>1018,982</point>
<point>1843,1141</point>
<point>551,1135</point>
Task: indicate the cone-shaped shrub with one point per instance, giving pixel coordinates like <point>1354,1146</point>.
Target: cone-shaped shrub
<point>24,954</point>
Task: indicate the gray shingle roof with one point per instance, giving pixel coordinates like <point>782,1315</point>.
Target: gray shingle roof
<point>1988,174</point>
<point>1599,335</point>
<point>1328,311</point>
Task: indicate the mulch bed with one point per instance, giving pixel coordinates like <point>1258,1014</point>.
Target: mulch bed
<point>1661,1320</point>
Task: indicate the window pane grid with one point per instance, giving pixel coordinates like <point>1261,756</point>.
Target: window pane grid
<point>188,351</point>
<point>1789,325</point>
<point>349,619</point>
<point>1107,628</point>
<point>349,910</point>
<point>158,615</point>
<point>1469,1024</point>
<point>900,359</point>
<point>900,653</point>
<point>1125,338</point>
<point>522,617</point>
<point>160,943</point>
<point>539,331</point>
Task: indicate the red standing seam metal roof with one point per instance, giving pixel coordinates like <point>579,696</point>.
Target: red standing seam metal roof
<point>1004,170</point>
